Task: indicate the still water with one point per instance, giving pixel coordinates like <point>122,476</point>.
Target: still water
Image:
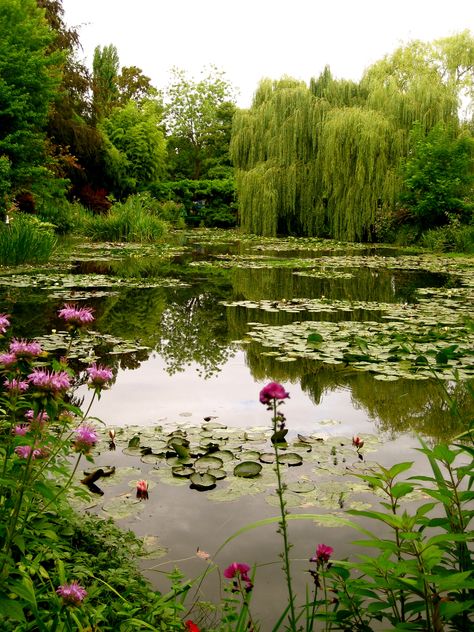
<point>189,359</point>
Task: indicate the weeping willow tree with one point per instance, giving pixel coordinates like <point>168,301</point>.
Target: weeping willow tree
<point>324,160</point>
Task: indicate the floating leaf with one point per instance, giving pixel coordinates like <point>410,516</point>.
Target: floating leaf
<point>182,470</point>
<point>290,458</point>
<point>122,506</point>
<point>247,469</point>
<point>208,462</point>
<point>203,481</point>
<point>301,487</point>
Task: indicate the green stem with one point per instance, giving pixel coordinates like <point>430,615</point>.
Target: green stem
<point>284,528</point>
<point>65,486</point>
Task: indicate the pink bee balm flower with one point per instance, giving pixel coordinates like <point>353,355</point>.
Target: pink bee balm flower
<point>323,553</point>
<point>16,386</point>
<point>99,376</point>
<point>86,438</point>
<point>271,392</point>
<point>76,316</point>
<point>25,349</point>
<point>8,359</point>
<point>357,442</point>
<point>4,323</point>
<point>142,490</point>
<point>24,451</point>
<point>72,593</point>
<point>40,418</point>
<point>21,430</point>
<point>50,381</point>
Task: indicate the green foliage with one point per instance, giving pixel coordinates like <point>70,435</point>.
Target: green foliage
<point>26,240</point>
<point>67,217</point>
<point>438,176</point>
<point>29,78</point>
<point>105,68</point>
<point>135,146</point>
<point>131,220</point>
<point>454,237</point>
<point>198,119</point>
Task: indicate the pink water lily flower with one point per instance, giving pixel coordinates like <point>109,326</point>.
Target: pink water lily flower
<point>357,442</point>
<point>72,593</point>
<point>142,490</point>
<point>273,391</point>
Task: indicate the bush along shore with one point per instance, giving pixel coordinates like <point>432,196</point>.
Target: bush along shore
<point>64,571</point>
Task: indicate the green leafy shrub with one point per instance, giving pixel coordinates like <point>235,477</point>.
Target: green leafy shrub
<point>452,238</point>
<point>67,217</point>
<point>26,239</point>
<point>131,220</point>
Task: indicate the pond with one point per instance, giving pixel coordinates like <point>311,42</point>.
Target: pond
<point>194,330</point>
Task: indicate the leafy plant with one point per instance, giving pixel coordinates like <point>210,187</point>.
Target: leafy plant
<point>26,240</point>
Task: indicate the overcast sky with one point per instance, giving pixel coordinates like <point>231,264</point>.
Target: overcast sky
<point>252,39</point>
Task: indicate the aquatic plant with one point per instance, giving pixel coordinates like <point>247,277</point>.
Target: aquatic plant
<point>26,240</point>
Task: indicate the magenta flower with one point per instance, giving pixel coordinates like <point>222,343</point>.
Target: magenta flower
<point>21,430</point>
<point>8,359</point>
<point>16,386</point>
<point>272,391</point>
<point>24,349</point>
<point>50,381</point>
<point>40,418</point>
<point>24,451</point>
<point>142,490</point>
<point>72,593</point>
<point>323,553</point>
<point>4,323</point>
<point>76,316</point>
<point>86,438</point>
<point>236,569</point>
<point>357,442</point>
<point>99,376</point>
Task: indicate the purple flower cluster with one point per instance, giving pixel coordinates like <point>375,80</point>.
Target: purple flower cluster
<point>76,316</point>
<point>50,381</point>
<point>99,376</point>
<point>323,553</point>
<point>236,570</point>
<point>4,323</point>
<point>39,418</point>
<point>72,593</point>
<point>8,359</point>
<point>16,386</point>
<point>86,438</point>
<point>24,451</point>
<point>272,392</point>
<point>24,349</point>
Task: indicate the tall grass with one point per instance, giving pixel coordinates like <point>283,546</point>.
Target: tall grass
<point>132,220</point>
<point>26,240</point>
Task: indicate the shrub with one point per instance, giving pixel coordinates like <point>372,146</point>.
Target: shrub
<point>452,238</point>
<point>26,239</point>
<point>131,220</point>
<point>67,217</point>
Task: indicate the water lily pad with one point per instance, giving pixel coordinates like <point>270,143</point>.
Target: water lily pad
<point>184,471</point>
<point>301,487</point>
<point>223,455</point>
<point>207,463</point>
<point>218,474</point>
<point>152,550</point>
<point>122,506</point>
<point>290,458</point>
<point>267,457</point>
<point>247,469</point>
<point>203,481</point>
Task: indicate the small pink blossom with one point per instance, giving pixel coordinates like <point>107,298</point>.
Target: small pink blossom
<point>142,490</point>
<point>99,376</point>
<point>24,349</point>
<point>86,438</point>
<point>16,386</point>
<point>72,593</point>
<point>323,553</point>
<point>24,451</point>
<point>4,323</point>
<point>50,381</point>
<point>357,442</point>
<point>272,391</point>
<point>76,316</point>
<point>39,418</point>
<point>21,430</point>
<point>8,359</point>
<point>236,570</point>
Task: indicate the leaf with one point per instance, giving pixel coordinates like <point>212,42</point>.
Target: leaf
<point>203,481</point>
<point>134,442</point>
<point>247,469</point>
<point>401,489</point>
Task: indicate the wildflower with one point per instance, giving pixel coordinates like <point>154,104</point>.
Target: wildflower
<point>272,391</point>
<point>72,593</point>
<point>235,570</point>
<point>99,376</point>
<point>21,430</point>
<point>86,438</point>
<point>142,490</point>
<point>4,323</point>
<point>24,451</point>
<point>16,386</point>
<point>8,359</point>
<point>76,316</point>
<point>24,349</point>
<point>191,626</point>
<point>357,442</point>
<point>51,381</point>
<point>39,418</point>
<point>323,553</point>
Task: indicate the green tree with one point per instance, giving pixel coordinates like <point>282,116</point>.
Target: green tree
<point>438,176</point>
<point>198,116</point>
<point>105,92</point>
<point>133,85</point>
<point>29,79</point>
<point>135,146</point>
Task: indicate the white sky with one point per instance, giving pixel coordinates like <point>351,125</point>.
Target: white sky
<point>252,39</point>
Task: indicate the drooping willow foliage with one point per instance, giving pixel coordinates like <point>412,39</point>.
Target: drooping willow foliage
<point>324,160</point>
